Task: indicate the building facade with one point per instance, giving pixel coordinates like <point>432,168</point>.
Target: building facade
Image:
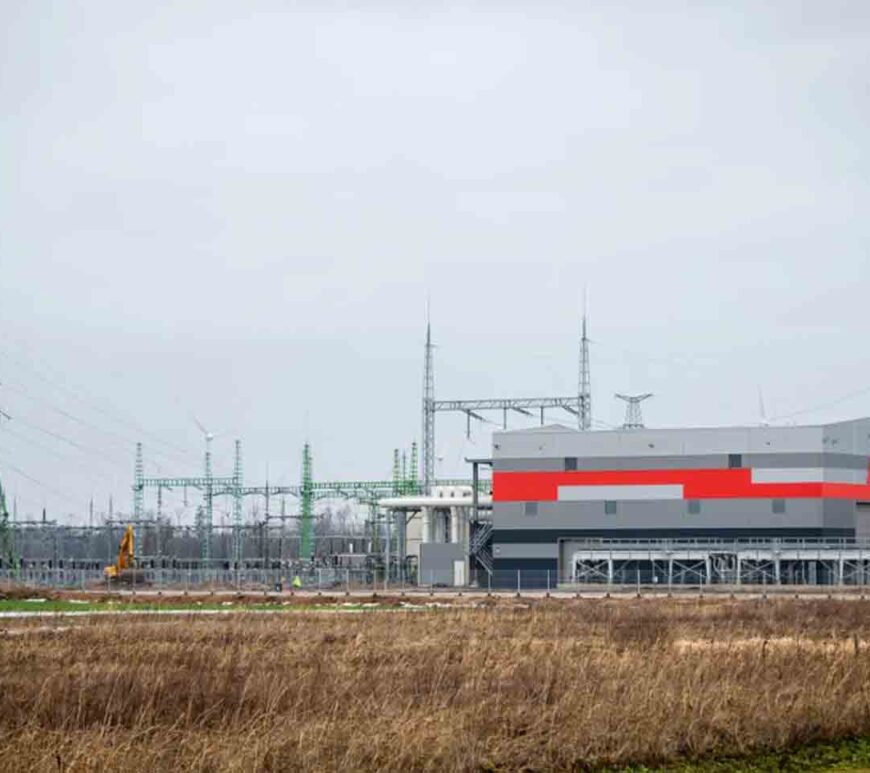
<point>558,492</point>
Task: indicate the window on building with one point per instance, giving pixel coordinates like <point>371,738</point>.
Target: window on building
<point>570,463</point>
<point>531,508</point>
<point>735,460</point>
<point>778,506</point>
<point>609,507</point>
<point>694,507</point>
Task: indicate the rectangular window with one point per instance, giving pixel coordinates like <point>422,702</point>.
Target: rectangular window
<point>694,507</point>
<point>570,463</point>
<point>609,507</point>
<point>531,509</point>
<point>735,460</point>
<point>778,506</point>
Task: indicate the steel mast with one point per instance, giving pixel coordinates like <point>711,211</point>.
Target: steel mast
<point>428,455</point>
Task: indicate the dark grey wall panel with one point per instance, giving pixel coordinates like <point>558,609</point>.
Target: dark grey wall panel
<point>663,514</point>
<point>697,462</point>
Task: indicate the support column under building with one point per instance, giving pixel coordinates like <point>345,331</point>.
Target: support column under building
<point>455,536</point>
<point>426,524</point>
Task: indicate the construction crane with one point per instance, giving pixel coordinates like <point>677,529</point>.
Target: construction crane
<point>126,560</point>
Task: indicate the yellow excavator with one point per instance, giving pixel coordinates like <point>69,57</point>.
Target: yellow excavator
<point>122,570</point>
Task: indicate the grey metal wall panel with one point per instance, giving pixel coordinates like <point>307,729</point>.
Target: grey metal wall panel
<point>715,513</point>
<point>619,493</point>
<point>525,550</point>
<point>862,520</point>
<point>436,561</point>
<point>852,437</point>
<point>848,437</point>
<point>697,462</point>
<point>839,513</point>
<point>542,464</point>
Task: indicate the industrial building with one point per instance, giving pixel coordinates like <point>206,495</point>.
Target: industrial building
<point>733,504</point>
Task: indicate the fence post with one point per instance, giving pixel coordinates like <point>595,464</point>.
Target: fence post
<point>518,582</point>
<point>548,582</point>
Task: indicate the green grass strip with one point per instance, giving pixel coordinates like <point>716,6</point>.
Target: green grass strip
<point>845,754</point>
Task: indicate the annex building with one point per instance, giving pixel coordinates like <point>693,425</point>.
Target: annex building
<point>732,504</point>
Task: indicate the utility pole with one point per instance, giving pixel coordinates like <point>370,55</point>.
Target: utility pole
<point>633,416</point>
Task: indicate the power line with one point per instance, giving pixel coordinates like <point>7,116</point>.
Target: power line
<point>64,413</point>
<point>69,441</point>
<point>96,404</point>
<point>7,432</point>
<point>823,406</point>
<point>57,492</point>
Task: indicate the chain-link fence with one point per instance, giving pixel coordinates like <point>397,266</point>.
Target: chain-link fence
<point>376,580</point>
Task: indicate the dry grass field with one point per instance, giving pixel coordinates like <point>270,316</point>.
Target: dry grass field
<point>550,685</point>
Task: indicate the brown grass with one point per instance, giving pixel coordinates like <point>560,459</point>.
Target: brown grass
<point>558,685</point>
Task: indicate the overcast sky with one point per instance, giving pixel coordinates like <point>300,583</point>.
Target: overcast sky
<point>238,210</point>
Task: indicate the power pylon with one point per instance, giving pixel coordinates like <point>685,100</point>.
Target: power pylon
<point>414,471</point>
<point>398,471</point>
<point>584,415</point>
<point>633,415</point>
<point>138,502</point>
<point>306,543</point>
<point>7,538</point>
<point>208,509</point>
<point>428,457</point>
<point>237,505</point>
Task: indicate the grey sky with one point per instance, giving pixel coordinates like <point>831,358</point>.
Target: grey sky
<point>238,210</point>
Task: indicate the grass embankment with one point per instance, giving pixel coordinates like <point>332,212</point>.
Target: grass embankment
<point>545,686</point>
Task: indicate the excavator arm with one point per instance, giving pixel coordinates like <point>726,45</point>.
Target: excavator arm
<point>126,552</point>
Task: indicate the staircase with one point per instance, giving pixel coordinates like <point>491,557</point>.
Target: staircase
<point>480,546</point>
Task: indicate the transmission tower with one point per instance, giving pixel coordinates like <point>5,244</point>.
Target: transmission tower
<point>138,502</point>
<point>208,510</point>
<point>306,543</point>
<point>399,464</point>
<point>7,538</point>
<point>413,472</point>
<point>428,456</point>
<point>584,415</point>
<point>237,505</point>
<point>633,415</point>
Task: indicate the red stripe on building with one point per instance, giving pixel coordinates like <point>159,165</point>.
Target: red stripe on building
<point>697,484</point>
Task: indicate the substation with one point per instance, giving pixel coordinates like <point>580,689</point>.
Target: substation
<point>553,506</point>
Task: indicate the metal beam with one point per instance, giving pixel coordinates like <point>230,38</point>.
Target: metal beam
<point>511,403</point>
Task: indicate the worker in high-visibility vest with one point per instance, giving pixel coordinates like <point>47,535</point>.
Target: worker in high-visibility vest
<point>297,583</point>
